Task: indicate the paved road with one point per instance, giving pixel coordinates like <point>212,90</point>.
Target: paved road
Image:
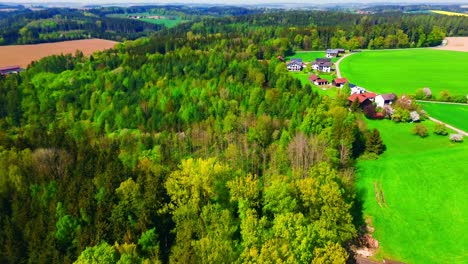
<point>337,64</point>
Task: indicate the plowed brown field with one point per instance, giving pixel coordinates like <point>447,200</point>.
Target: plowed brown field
<point>456,43</point>
<point>23,55</point>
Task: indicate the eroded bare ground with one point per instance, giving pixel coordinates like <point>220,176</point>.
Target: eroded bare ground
<point>23,55</point>
<point>456,43</point>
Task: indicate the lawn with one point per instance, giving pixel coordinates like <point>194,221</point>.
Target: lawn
<point>304,78</point>
<point>404,71</point>
<point>455,115</point>
<point>163,21</point>
<point>310,56</point>
<point>424,183</point>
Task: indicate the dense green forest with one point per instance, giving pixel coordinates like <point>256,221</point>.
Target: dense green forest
<point>193,145</point>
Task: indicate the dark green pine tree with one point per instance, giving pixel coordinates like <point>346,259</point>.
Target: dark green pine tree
<point>374,143</point>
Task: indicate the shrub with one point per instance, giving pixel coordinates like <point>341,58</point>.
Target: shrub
<point>427,92</point>
<point>456,137</point>
<point>440,129</point>
<point>420,130</point>
<point>414,116</point>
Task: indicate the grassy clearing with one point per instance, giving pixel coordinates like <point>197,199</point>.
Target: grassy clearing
<point>447,13</point>
<point>423,181</point>
<point>164,20</point>
<point>455,115</point>
<point>310,56</point>
<point>304,78</point>
<point>405,71</point>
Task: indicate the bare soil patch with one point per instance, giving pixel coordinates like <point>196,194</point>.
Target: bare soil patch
<point>23,55</point>
<point>456,43</point>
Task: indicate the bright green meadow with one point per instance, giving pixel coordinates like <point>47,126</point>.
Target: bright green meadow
<point>424,183</point>
<point>310,56</point>
<point>404,71</point>
<point>452,114</point>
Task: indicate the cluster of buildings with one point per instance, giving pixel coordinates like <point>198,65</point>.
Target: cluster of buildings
<point>358,94</point>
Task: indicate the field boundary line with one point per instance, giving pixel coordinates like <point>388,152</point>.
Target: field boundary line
<point>440,102</point>
<point>449,126</point>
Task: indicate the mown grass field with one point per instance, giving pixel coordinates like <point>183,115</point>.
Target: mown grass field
<point>424,183</point>
<point>405,71</point>
<point>304,78</point>
<point>309,56</point>
<point>455,115</point>
<point>163,21</point>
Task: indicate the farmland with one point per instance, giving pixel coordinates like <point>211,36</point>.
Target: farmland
<point>310,56</point>
<point>424,183</point>
<point>405,71</point>
<point>168,21</point>
<point>456,44</point>
<point>23,55</point>
<point>447,13</point>
<point>452,114</point>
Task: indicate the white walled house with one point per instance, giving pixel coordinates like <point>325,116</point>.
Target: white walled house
<point>295,65</point>
<point>384,99</point>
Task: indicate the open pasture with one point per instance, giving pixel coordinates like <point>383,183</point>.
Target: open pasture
<point>310,56</point>
<point>423,218</point>
<point>406,70</point>
<point>452,114</point>
<point>23,55</point>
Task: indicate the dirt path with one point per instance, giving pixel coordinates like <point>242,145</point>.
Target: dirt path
<point>439,102</point>
<point>337,64</point>
<point>449,126</point>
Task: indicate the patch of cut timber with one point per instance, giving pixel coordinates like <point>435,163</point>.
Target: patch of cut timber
<point>456,44</point>
<point>23,55</point>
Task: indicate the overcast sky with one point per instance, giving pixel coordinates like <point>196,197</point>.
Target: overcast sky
<point>233,1</point>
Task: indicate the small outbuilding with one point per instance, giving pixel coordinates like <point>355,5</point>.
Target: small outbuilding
<point>339,82</point>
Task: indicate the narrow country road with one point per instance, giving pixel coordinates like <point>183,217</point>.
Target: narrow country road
<point>337,64</point>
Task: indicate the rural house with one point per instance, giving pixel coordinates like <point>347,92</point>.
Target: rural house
<point>10,69</point>
<point>313,78</point>
<point>295,65</point>
<point>340,51</point>
<point>384,99</point>
<point>323,66</point>
<point>356,89</point>
<point>332,53</point>
<point>321,82</point>
<point>339,82</point>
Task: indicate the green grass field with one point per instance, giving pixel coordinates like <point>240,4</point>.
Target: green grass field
<point>455,115</point>
<point>424,183</point>
<point>304,78</point>
<point>309,56</point>
<point>405,71</point>
<point>164,21</point>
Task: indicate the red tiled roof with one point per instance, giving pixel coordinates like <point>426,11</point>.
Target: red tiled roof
<point>361,97</point>
<point>321,81</point>
<point>340,80</point>
<point>313,77</point>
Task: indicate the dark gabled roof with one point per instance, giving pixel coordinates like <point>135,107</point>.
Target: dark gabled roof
<point>334,51</point>
<point>352,85</point>
<point>327,64</point>
<point>10,68</point>
<point>388,97</point>
<point>322,59</point>
<point>296,60</point>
